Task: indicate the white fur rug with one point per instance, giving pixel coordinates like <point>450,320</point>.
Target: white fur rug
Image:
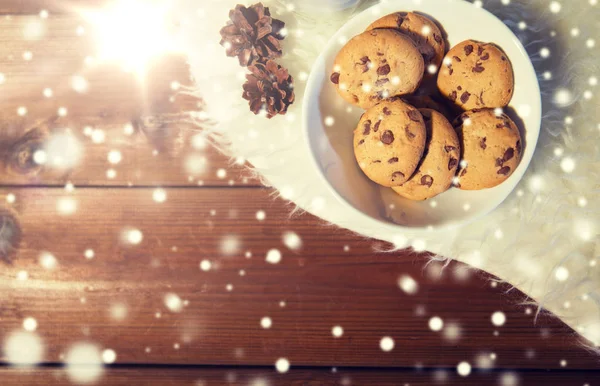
<point>543,239</point>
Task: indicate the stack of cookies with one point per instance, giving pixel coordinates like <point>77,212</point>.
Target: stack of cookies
<point>405,140</point>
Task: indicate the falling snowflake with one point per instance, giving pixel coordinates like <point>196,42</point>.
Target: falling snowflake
<point>230,245</point>
<point>282,365</point>
<point>436,323</point>
<point>84,363</point>
<point>386,344</point>
<point>23,348</point>
<point>273,256</point>
<point>173,302</point>
<point>47,260</point>
<point>498,318</point>
<point>463,369</point>
<point>30,324</point>
<point>109,356</point>
<point>205,265</point>
<point>266,322</point>
<point>292,240</point>
<point>408,284</point>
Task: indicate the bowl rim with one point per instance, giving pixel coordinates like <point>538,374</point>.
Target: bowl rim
<point>450,225</point>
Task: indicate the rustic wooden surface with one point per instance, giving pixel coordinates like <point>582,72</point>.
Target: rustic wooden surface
<point>299,377</point>
<point>116,300</point>
<point>114,99</point>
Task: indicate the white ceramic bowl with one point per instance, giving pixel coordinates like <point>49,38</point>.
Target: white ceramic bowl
<point>331,144</point>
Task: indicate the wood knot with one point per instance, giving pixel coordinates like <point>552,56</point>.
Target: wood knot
<point>10,234</point>
<point>20,156</point>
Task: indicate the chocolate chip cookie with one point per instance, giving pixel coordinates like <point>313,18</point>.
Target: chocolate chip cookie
<point>376,65</point>
<point>438,166</point>
<point>428,102</point>
<point>491,148</point>
<point>476,75</point>
<point>423,31</point>
<point>389,142</point>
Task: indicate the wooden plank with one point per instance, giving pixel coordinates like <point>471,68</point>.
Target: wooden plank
<point>298,377</point>
<point>159,150</point>
<point>335,278</point>
<point>54,7</point>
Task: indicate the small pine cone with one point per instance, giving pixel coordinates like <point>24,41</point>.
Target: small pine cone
<point>252,34</point>
<point>270,87</point>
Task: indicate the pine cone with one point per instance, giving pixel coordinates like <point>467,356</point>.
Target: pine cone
<point>252,34</point>
<point>270,87</point>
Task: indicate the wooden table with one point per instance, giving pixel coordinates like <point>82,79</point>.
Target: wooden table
<point>84,276</point>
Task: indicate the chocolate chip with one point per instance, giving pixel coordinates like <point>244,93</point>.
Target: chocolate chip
<point>478,68</point>
<point>459,88</point>
<point>414,115</point>
<point>452,163</point>
<point>463,172</point>
<point>383,70</point>
<point>399,21</point>
<point>377,161</point>
<point>365,68</point>
<point>367,127</point>
<point>508,154</point>
<point>464,98</point>
<point>503,58</point>
<point>381,82</point>
<point>481,97</point>
<point>364,60</point>
<point>451,71</point>
<point>499,125</point>
<point>449,148</point>
<point>518,147</point>
<point>486,56</point>
<point>387,111</point>
<point>482,143</point>
<point>393,160</point>
<point>361,141</point>
<point>457,59</point>
<point>453,96</point>
<point>403,13</point>
<point>376,127</point>
<point>437,38</point>
<point>380,54</point>
<point>468,49</point>
<point>397,175</point>
<point>409,134</point>
<point>387,137</point>
<point>504,171</point>
<point>335,78</point>
<point>479,50</point>
<point>499,161</point>
<point>427,181</point>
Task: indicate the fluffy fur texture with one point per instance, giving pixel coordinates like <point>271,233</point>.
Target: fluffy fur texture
<point>543,239</point>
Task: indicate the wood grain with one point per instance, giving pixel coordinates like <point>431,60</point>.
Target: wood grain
<point>161,150</point>
<point>298,377</point>
<point>54,7</point>
<point>336,278</point>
